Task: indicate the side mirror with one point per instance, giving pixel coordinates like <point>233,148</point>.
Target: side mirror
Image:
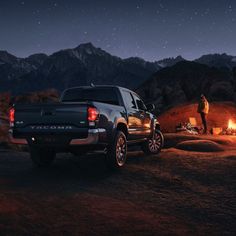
<point>150,107</point>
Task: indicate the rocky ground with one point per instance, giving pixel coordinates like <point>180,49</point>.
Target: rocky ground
<point>178,192</point>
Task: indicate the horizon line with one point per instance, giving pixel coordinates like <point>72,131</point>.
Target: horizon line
<point>123,58</point>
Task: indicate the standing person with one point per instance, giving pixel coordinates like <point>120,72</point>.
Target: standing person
<point>203,109</point>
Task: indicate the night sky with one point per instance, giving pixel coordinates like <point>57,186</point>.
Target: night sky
<point>149,29</point>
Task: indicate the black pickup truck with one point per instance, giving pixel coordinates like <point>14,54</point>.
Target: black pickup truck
<point>90,118</point>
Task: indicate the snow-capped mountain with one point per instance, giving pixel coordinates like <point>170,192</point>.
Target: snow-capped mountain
<point>167,62</point>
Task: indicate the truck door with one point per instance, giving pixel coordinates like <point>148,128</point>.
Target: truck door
<point>145,117</point>
<point>133,116</point>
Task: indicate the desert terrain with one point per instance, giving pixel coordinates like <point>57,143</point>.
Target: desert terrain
<point>188,189</point>
<point>177,192</point>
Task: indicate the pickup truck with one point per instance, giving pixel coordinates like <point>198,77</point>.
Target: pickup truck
<point>87,119</point>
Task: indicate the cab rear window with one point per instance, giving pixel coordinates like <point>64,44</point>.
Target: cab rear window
<point>106,95</point>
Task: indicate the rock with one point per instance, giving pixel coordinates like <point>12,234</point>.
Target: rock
<point>200,146</point>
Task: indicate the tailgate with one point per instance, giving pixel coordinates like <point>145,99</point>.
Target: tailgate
<point>51,118</point>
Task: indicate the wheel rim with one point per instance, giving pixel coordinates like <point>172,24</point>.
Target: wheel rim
<point>121,151</point>
<point>155,143</point>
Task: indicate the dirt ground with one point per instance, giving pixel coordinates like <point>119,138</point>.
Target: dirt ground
<point>175,193</point>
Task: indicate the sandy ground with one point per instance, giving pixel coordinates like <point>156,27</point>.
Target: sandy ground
<point>175,193</point>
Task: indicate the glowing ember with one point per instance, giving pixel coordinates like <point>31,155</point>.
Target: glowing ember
<point>231,125</point>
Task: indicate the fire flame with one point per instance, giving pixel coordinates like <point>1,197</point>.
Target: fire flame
<point>231,124</point>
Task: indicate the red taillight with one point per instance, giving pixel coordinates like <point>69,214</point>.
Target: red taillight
<point>92,114</point>
<point>12,115</point>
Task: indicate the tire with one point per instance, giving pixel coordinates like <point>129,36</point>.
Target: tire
<point>153,146</point>
<point>42,157</point>
<point>117,151</point>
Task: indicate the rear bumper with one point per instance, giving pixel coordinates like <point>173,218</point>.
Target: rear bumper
<point>17,141</point>
<point>94,136</point>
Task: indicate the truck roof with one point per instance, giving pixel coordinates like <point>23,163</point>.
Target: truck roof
<point>100,86</point>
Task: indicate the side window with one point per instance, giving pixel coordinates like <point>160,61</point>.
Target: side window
<point>128,99</point>
<point>140,103</point>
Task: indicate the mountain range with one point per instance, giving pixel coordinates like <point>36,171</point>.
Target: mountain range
<point>82,65</point>
<point>165,82</point>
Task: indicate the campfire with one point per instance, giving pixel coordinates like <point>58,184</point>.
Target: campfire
<point>231,129</point>
<point>231,124</point>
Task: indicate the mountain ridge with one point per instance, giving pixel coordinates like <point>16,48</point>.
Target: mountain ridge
<point>90,48</point>
<point>85,64</point>
<point>72,67</point>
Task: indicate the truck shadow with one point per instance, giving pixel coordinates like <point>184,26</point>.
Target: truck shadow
<point>68,173</point>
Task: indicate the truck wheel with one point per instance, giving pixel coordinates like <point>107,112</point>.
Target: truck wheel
<point>153,145</point>
<point>117,150</point>
<point>42,157</point>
